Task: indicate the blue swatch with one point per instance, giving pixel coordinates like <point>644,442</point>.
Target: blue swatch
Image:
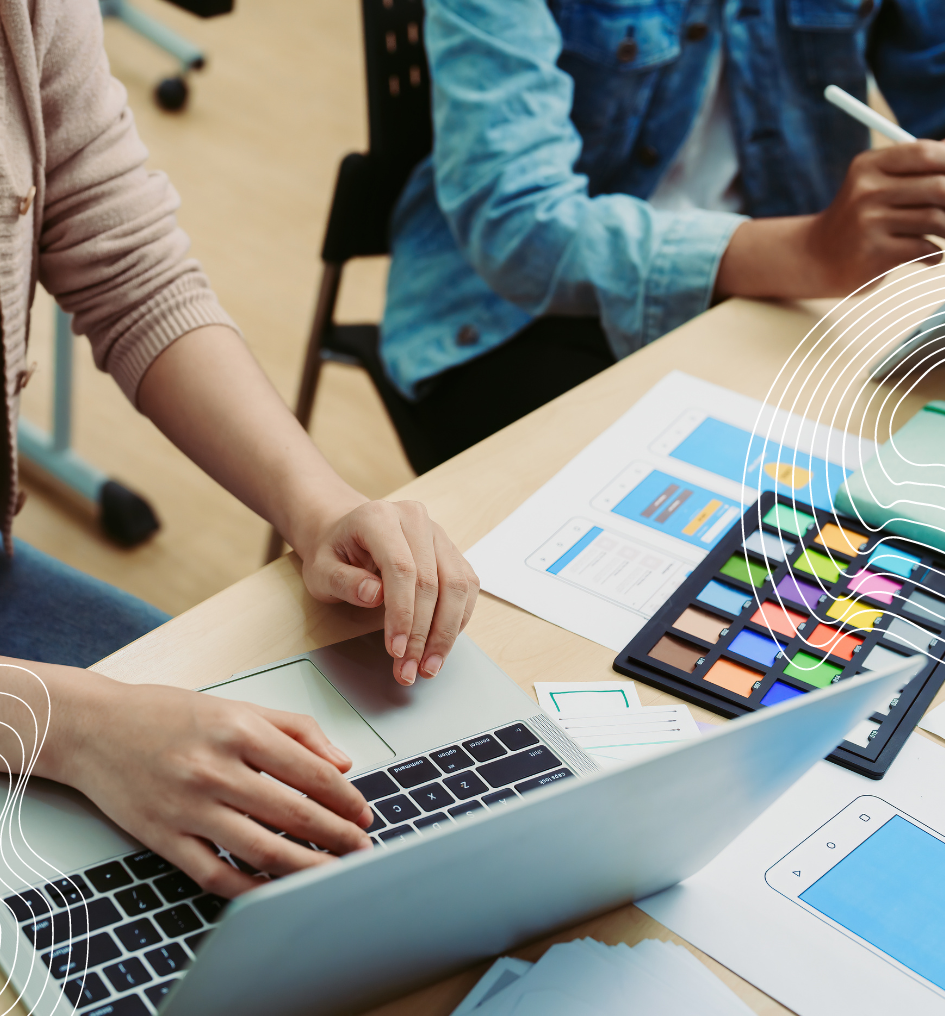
<point>754,646</point>
<point>717,594</point>
<point>780,692</point>
<point>891,559</point>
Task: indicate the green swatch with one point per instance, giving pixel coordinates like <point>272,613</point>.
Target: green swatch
<point>789,519</point>
<point>815,563</point>
<point>812,669</point>
<point>745,570</point>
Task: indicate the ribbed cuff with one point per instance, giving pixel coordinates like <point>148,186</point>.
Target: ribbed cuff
<point>182,307</point>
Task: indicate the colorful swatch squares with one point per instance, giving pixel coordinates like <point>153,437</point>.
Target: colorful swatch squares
<point>812,669</point>
<point>853,613</point>
<point>677,653</point>
<point>781,619</point>
<point>788,519</point>
<point>745,570</point>
<point>891,559</point>
<point>815,563</point>
<point>876,587</point>
<point>799,591</point>
<point>700,623</point>
<point>733,677</point>
<point>753,645</point>
<point>770,546</point>
<point>780,692</point>
<point>844,541</point>
<point>829,639</point>
<point>723,597</point>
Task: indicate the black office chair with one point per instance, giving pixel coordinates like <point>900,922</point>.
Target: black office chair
<point>368,185</point>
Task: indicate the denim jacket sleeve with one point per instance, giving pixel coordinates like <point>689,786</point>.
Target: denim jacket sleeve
<point>503,159</point>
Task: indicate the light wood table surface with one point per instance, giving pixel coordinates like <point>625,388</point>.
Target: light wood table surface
<point>742,345</point>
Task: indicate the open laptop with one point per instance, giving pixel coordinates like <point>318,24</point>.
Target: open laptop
<point>492,828</point>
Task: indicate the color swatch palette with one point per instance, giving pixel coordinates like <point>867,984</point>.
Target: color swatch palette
<point>794,599</point>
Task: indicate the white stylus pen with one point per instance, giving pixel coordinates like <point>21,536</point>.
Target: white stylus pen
<point>869,117</point>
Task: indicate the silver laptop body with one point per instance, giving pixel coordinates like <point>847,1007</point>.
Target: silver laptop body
<point>479,868</point>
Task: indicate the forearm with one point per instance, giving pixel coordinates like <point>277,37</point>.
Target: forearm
<point>771,258</point>
<point>208,395</point>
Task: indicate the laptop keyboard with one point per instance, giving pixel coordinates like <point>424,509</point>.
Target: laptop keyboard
<point>117,935</point>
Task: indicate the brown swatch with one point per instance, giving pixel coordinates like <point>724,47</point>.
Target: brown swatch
<point>677,653</point>
<point>700,623</point>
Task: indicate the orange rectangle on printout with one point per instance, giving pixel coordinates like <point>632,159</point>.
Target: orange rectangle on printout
<point>780,619</point>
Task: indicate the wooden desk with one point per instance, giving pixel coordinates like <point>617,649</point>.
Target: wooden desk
<point>267,616</point>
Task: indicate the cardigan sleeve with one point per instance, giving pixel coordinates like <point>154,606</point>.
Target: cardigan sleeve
<point>110,250</point>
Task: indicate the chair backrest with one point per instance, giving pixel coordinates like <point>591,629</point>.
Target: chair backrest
<point>400,127</point>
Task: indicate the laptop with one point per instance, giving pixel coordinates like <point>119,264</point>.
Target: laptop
<point>491,828</point>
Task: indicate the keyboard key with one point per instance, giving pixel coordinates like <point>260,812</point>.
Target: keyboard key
<point>516,737</point>
<point>87,952</point>
<point>147,864</point>
<point>169,959</point>
<point>130,1005</point>
<point>130,973</point>
<point>396,809</point>
<point>39,933</point>
<point>413,773</point>
<point>518,767</point>
<point>465,785</point>
<point>210,907</point>
<point>137,935</point>
<point>177,886</point>
<point>27,905</point>
<point>437,821</point>
<point>178,921</point>
<point>462,810</point>
<point>192,941</point>
<point>157,992</point>
<point>543,781</point>
<point>375,785</point>
<point>432,797</point>
<point>82,994</point>
<point>84,918</point>
<point>66,891</point>
<point>109,876</point>
<point>484,748</point>
<point>398,833</point>
<point>139,899</point>
<point>378,823</point>
<point>500,798</point>
<point>452,759</point>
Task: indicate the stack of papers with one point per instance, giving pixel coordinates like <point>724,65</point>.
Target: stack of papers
<point>606,719</point>
<point>588,978</point>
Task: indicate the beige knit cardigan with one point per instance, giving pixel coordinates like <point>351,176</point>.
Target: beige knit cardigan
<point>80,213</point>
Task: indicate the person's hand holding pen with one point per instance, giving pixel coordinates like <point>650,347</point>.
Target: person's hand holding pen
<point>891,200</point>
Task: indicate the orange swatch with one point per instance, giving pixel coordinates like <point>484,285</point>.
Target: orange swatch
<point>733,676</point>
<point>844,541</point>
<point>834,642</point>
<point>780,619</point>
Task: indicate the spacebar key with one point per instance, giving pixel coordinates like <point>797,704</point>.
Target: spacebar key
<point>517,767</point>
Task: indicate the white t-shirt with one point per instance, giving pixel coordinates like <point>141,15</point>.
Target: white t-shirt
<point>705,174</point>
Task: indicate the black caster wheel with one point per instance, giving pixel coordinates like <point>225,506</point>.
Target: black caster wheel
<point>171,94</point>
<point>125,516</point>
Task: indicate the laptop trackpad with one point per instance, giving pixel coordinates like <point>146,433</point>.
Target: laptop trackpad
<point>299,688</point>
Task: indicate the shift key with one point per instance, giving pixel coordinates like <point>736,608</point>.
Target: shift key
<point>517,767</point>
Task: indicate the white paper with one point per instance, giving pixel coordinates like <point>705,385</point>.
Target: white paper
<point>633,735</point>
<point>934,721</point>
<point>730,912</point>
<point>586,698</point>
<point>601,546</point>
<point>505,971</point>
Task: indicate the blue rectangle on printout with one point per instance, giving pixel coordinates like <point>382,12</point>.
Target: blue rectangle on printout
<point>569,555</point>
<point>890,891</point>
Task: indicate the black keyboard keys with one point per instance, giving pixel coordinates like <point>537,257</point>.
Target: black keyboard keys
<point>137,935</point>
<point>64,892</point>
<point>130,1005</point>
<point>109,876</point>
<point>484,748</point>
<point>147,864</point>
<point>139,899</point>
<point>397,834</point>
<point>452,759</point>
<point>375,785</point>
<point>378,823</point>
<point>27,905</point>
<point>177,886</point>
<point>169,959</point>
<point>84,918</point>
<point>87,952</point>
<point>462,810</point>
<point>157,992</point>
<point>178,921</point>
<point>543,781</point>
<point>516,737</point>
<point>513,768</point>
<point>397,809</point>
<point>437,821</point>
<point>500,798</point>
<point>432,797</point>
<point>465,785</point>
<point>210,907</point>
<point>82,994</point>
<point>413,773</point>
<point>130,973</point>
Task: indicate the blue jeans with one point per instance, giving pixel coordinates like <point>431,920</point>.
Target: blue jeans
<point>52,613</point>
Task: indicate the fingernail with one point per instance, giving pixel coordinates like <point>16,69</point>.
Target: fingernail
<point>408,673</point>
<point>432,665</point>
<point>399,646</point>
<point>368,590</point>
<point>367,818</point>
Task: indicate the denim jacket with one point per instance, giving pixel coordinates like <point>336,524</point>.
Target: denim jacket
<point>555,119</point>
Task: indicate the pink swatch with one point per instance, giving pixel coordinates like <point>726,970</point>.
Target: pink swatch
<point>877,587</point>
